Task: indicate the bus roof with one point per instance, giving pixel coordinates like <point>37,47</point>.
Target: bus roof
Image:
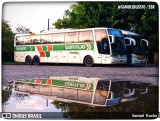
<point>63,30</point>
<point>129,33</point>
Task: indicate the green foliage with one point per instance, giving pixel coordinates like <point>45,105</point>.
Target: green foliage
<point>7,42</point>
<point>153,42</point>
<point>6,93</point>
<point>107,14</point>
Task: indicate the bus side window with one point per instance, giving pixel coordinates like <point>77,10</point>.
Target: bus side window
<point>35,39</point>
<point>71,37</point>
<point>86,36</point>
<point>102,41</point>
<point>19,40</point>
<point>46,38</point>
<point>27,40</point>
<point>58,38</point>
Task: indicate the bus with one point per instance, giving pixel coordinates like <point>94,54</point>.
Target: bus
<point>81,46</point>
<point>136,47</point>
<point>83,90</point>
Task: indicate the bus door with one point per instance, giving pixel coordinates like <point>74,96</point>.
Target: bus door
<point>103,45</point>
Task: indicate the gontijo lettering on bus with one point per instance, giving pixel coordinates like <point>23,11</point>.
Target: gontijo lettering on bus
<point>61,83</point>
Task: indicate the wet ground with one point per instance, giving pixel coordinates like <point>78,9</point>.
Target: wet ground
<point>144,74</point>
<point>52,92</point>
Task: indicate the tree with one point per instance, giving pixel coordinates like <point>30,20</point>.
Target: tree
<point>109,14</point>
<point>7,42</point>
<point>6,92</point>
<point>22,30</point>
<point>96,14</point>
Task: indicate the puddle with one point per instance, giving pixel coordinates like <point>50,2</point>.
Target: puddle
<point>81,98</point>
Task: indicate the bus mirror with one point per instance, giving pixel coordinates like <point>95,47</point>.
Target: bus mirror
<point>145,41</point>
<point>130,41</point>
<point>112,39</point>
<point>133,41</point>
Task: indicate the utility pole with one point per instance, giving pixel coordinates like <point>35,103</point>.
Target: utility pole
<point>48,24</point>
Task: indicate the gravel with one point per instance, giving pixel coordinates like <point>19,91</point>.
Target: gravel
<point>143,74</point>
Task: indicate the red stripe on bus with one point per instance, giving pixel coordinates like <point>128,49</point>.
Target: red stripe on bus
<point>38,81</point>
<point>42,54</point>
<point>49,47</point>
<point>39,48</point>
<point>49,82</point>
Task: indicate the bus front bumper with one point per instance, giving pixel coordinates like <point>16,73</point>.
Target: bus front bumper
<point>119,60</point>
<point>137,59</point>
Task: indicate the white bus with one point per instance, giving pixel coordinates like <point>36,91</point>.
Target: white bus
<point>84,46</point>
<point>83,90</point>
<point>136,47</point>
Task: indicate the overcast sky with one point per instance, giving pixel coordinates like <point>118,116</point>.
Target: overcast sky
<point>34,15</point>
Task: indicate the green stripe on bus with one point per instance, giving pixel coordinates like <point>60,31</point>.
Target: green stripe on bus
<point>24,48</point>
<point>47,54</point>
<point>84,46</point>
<point>33,48</point>
<point>91,88</point>
<point>63,83</point>
<point>78,85</point>
<point>32,81</point>
<point>44,48</point>
<point>58,82</point>
<point>92,46</point>
<point>44,81</point>
<point>58,47</point>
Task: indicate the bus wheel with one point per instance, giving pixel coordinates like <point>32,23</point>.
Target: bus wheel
<point>36,60</point>
<point>28,60</point>
<point>88,61</point>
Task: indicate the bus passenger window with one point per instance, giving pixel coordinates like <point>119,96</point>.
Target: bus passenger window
<point>102,41</point>
<point>85,36</point>
<point>71,37</point>
<point>27,40</point>
<point>19,40</point>
<point>46,38</point>
<point>35,39</point>
<point>58,38</point>
<point>105,46</point>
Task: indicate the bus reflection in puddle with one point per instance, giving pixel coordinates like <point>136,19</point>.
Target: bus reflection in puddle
<point>89,91</point>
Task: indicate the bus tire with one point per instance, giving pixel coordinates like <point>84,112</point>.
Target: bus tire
<point>88,61</point>
<point>36,60</point>
<point>28,60</point>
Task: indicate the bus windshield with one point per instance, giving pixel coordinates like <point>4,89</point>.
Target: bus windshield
<point>118,48</point>
<point>115,32</point>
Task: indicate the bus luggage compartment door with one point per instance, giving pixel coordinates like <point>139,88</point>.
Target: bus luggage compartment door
<point>62,57</point>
